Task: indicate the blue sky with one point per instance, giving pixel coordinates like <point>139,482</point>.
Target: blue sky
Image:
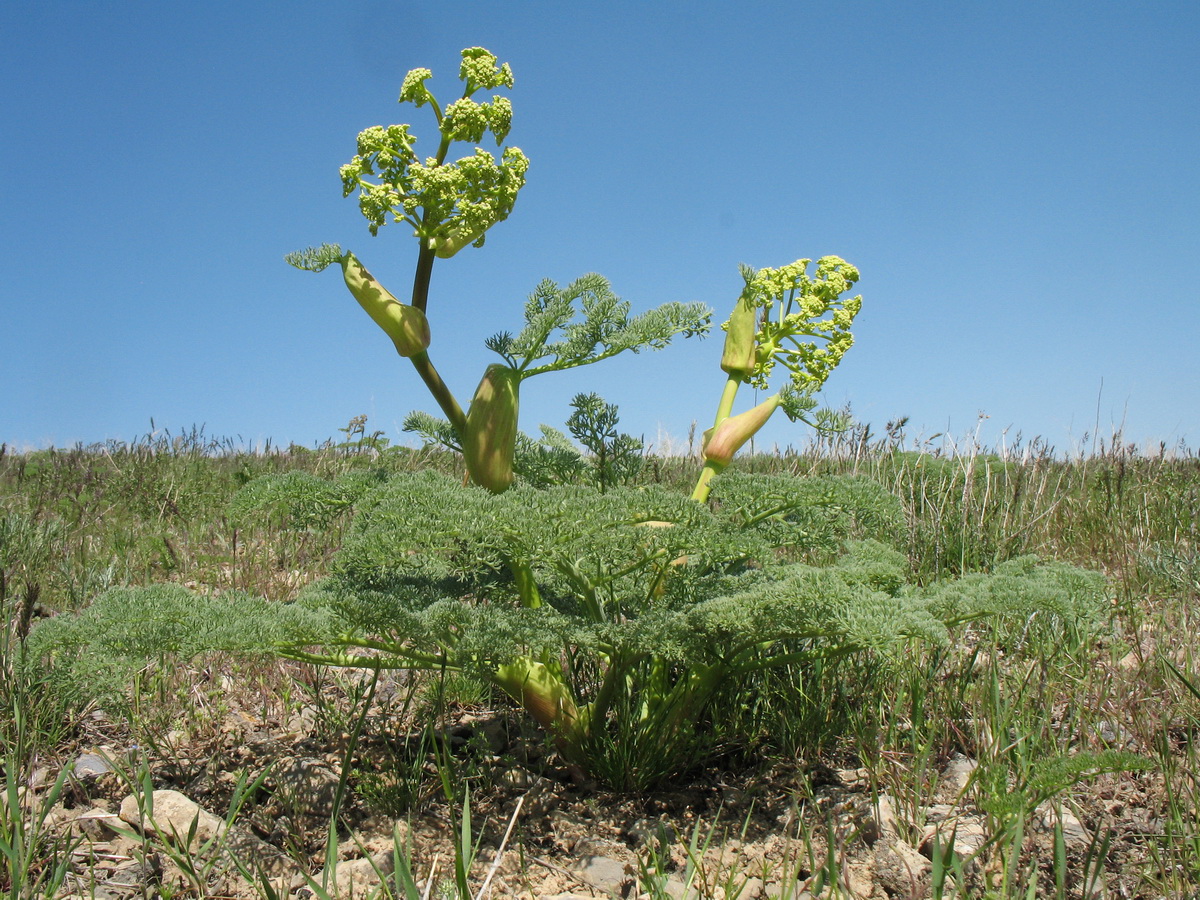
<point>1017,182</point>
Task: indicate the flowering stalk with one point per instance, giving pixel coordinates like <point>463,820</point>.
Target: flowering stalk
<point>780,317</point>
<point>450,205</point>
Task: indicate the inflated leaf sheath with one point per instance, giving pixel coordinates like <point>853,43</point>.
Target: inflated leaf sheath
<point>446,247</point>
<point>404,324</point>
<point>723,441</point>
<point>738,356</point>
<point>491,434</point>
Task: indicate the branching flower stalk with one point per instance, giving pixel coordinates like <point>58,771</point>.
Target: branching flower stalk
<point>451,205</point>
<point>783,316</point>
<point>448,205</point>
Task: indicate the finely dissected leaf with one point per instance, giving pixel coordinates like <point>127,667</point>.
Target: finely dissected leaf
<point>147,622</point>
<point>810,513</point>
<point>1020,588</point>
<point>315,259</point>
<point>432,430</point>
<point>605,328</point>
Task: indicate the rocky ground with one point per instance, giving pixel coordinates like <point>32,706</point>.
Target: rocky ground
<point>811,830</point>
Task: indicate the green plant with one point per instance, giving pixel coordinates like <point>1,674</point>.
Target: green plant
<point>34,713</point>
<point>614,619</point>
<point>615,458</point>
<point>642,630</point>
<point>699,877</point>
<point>612,457</point>
<point>34,861</point>
<point>204,847</point>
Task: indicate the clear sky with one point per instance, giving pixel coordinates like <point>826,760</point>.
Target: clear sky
<point>1019,183</point>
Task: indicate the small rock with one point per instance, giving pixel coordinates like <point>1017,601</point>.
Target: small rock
<point>91,765</point>
<point>301,723</point>
<point>649,831</point>
<point>491,729</point>
<point>1113,734</point>
<point>859,881</point>
<point>955,778</point>
<point>874,820</point>
<point>777,891</point>
<point>854,779</point>
<point>1130,661</point>
<point>968,833</point>
<point>1047,816</point>
<point>887,824</point>
<point>901,870</point>
<point>676,888</point>
<point>359,877</point>
<point>752,889</point>
<point>939,812</point>
<point>96,823</point>
<point>171,816</point>
<point>603,873</point>
<point>519,779</point>
<point>305,786</point>
<point>136,873</point>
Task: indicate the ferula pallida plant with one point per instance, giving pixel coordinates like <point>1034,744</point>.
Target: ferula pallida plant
<point>616,619</point>
<point>448,205</point>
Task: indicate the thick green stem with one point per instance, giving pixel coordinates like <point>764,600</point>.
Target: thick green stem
<point>712,469</point>
<point>682,705</point>
<point>522,572</point>
<point>703,483</point>
<point>426,255</point>
<point>454,413</point>
<point>615,677</point>
<point>728,395</point>
<point>420,294</point>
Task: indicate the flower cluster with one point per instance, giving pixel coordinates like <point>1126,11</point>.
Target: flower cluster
<point>448,204</point>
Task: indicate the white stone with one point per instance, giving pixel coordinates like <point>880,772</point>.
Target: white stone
<point>171,814</point>
<point>172,818</point>
<point>955,778</point>
<point>969,836</point>
<point>901,870</point>
<point>359,877</point>
<point>1074,834</point>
